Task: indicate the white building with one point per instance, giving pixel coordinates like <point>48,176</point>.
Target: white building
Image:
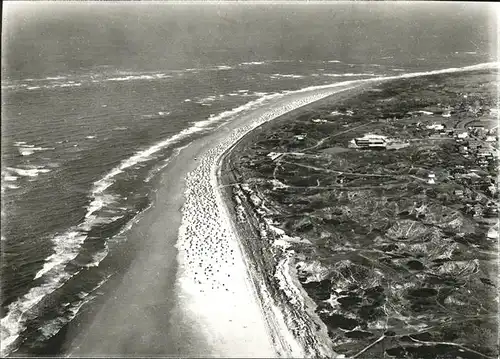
<point>370,140</point>
<point>431,178</point>
<point>435,126</point>
<point>274,155</point>
<point>493,233</point>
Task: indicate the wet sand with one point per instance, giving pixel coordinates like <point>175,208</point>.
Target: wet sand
<point>206,304</point>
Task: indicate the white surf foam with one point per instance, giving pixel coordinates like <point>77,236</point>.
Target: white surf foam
<point>100,186</point>
<point>99,257</point>
<point>28,172</point>
<point>9,178</point>
<point>27,150</point>
<point>56,78</point>
<point>206,100</point>
<point>132,77</point>
<point>65,84</point>
<point>482,66</point>
<point>14,86</point>
<point>466,52</point>
<point>252,63</point>
<point>286,76</point>
<point>66,247</point>
<point>348,74</point>
<point>46,83</point>
<point>52,327</point>
<point>165,163</point>
<point>13,323</point>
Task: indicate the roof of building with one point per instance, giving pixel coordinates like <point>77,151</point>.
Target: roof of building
<point>371,136</point>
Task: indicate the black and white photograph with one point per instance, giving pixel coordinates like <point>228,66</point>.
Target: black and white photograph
<point>250,179</point>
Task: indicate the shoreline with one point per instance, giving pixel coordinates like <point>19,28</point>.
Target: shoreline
<point>158,320</point>
<point>162,320</point>
<point>249,209</point>
<point>290,311</point>
<point>201,278</point>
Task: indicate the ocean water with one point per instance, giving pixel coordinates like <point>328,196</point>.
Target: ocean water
<point>96,98</point>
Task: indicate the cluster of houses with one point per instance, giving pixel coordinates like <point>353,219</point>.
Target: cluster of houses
<point>479,143</point>
<point>476,141</point>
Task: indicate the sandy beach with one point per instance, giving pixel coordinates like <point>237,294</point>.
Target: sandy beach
<point>207,303</point>
<point>189,289</point>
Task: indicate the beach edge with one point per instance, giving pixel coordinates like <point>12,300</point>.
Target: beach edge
<point>290,329</point>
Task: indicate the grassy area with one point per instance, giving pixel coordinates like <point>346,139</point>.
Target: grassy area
<point>409,264</point>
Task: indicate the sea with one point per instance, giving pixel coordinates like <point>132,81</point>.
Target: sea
<point>97,98</point>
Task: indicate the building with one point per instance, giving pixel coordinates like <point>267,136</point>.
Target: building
<point>435,126</point>
<point>431,178</point>
<point>493,233</point>
<point>300,137</point>
<point>274,155</point>
<point>475,145</point>
<point>370,140</point>
<point>483,163</point>
<point>425,112</point>
<point>463,150</point>
<point>485,154</point>
<point>491,211</point>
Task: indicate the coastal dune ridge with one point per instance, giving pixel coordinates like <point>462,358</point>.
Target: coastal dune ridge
<point>215,278</point>
<point>212,267</point>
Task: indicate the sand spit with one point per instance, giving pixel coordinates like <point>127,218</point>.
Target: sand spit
<point>214,287</point>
